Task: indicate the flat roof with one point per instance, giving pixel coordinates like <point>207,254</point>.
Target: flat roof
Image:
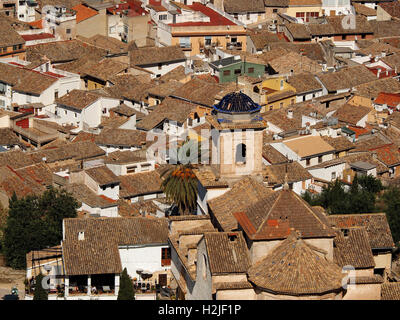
<point>362,165</point>
<point>309,146</point>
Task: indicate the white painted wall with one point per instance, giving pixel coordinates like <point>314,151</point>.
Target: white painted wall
<point>326,173</point>
<point>146,257</point>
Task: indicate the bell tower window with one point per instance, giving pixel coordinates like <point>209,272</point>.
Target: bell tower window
<point>241,153</point>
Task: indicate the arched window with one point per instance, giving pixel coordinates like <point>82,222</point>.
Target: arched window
<point>241,153</point>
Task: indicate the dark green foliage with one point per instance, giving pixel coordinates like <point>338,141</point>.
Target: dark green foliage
<point>180,187</point>
<point>392,208</point>
<point>360,198</point>
<point>40,293</point>
<point>34,223</point>
<point>126,290</point>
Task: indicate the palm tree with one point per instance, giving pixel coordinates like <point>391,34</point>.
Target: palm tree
<point>180,187</point>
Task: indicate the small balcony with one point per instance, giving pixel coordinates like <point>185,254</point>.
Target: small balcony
<point>234,46</point>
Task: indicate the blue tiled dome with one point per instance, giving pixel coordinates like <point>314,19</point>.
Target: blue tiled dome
<point>236,102</point>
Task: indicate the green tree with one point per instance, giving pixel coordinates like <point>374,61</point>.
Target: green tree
<point>392,209</point>
<point>180,186</point>
<point>40,293</point>
<point>126,290</point>
<point>34,223</point>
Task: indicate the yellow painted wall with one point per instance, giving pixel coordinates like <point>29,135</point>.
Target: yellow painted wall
<point>275,84</point>
<point>291,11</point>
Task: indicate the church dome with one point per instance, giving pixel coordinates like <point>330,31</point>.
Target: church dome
<point>237,102</point>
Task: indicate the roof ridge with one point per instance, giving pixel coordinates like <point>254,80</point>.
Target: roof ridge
<point>269,212</point>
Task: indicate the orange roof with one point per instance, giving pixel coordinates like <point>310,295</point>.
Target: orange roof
<point>37,24</point>
<point>391,99</point>
<point>359,131</point>
<point>83,12</point>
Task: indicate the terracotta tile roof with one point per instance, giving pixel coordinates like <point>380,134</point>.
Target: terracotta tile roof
<point>102,175</point>
<point>227,252</point>
<point>77,151</point>
<point>9,36</point>
<point>304,82</point>
<point>233,285</point>
<point>140,184</point>
<point>275,174</point>
<point>83,12</point>
<point>388,154</point>
<point>293,61</point>
<point>385,28</point>
<point>64,51</point>
<point>125,157</point>
<point>124,110</point>
<point>83,194</point>
<point>24,80</point>
<point>298,31</point>
<point>98,253</point>
<point>164,89</point>
<point>272,155</point>
<point>391,99</point>
<point>208,178</point>
<point>394,119</point>
<point>368,143</point>
<point>353,249</point>
<point>48,253</point>
<point>351,114</point>
<point>339,143</point>
<point>105,69</point>
<point>262,38</point>
<point>154,55</point>
<point>295,268</point>
<point>377,48</point>
<point>242,194</point>
<point>372,89</point>
<point>376,224</point>
<point>238,6</point>
<point>392,8</point>
<point>8,137</point>
<point>346,78</point>
<point>84,136</point>
<point>390,291</point>
<point>364,10</point>
<point>127,209</point>
<point>121,137</point>
<point>279,118</point>
<point>78,99</point>
<point>16,159</point>
<point>128,87</point>
<point>177,73</point>
<point>274,216</point>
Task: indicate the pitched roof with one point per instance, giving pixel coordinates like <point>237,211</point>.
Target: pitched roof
<point>243,193</point>
<point>272,155</point>
<point>83,12</point>
<point>390,291</point>
<point>153,55</point>
<point>376,224</point>
<point>102,175</point>
<point>295,268</point>
<point>339,143</point>
<point>293,61</point>
<point>121,137</point>
<point>391,99</point>
<point>9,36</point>
<point>127,111</point>
<point>293,171</point>
<point>346,78</point>
<point>140,184</point>
<point>311,50</point>
<point>304,82</point>
<point>110,44</point>
<point>78,99</point>
<point>372,89</point>
<point>364,10</point>
<point>227,252</point>
<point>8,137</point>
<point>84,194</point>
<point>238,6</point>
<point>351,114</point>
<point>274,216</point>
<point>392,8</point>
<point>16,159</point>
<point>392,61</point>
<point>385,28</point>
<point>388,154</point>
<point>262,38</point>
<point>98,253</point>
<point>353,249</point>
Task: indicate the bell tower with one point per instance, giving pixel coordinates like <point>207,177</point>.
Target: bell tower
<point>237,137</point>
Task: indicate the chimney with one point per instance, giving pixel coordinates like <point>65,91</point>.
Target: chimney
<point>290,114</point>
<point>81,236</point>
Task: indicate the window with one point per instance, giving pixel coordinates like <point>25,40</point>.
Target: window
<point>271,107</point>
<point>76,115</point>
<point>159,66</point>
<point>184,42</point>
<point>241,153</point>
<point>207,40</point>
<point>344,37</point>
<point>68,31</point>
<point>250,70</point>
<point>55,94</point>
<point>2,88</point>
<point>238,71</point>
<point>281,105</point>
<point>227,72</point>
<point>319,159</point>
<point>2,103</point>
<point>65,111</point>
<point>308,162</point>
<point>275,10</point>
<point>248,16</point>
<point>333,177</point>
<point>162,17</point>
<point>15,48</point>
<point>165,256</point>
